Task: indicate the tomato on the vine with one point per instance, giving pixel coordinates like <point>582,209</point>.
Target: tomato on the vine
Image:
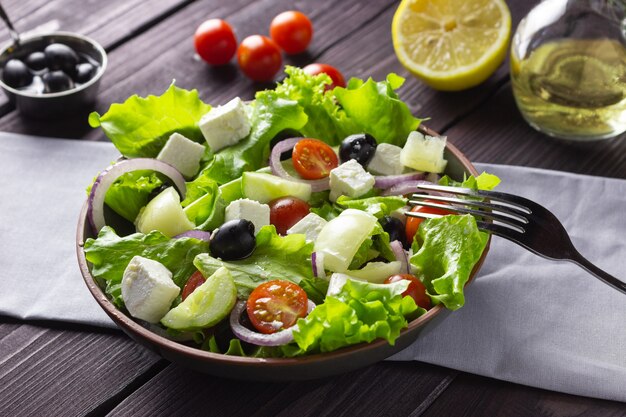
<point>332,72</point>
<point>194,281</point>
<point>276,305</point>
<point>313,159</point>
<point>416,289</point>
<point>287,211</point>
<point>215,41</point>
<point>292,31</point>
<point>259,58</point>
<point>413,223</point>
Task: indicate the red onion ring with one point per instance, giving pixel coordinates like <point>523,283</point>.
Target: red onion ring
<point>387,181</point>
<point>95,210</point>
<point>317,264</point>
<point>400,255</point>
<point>407,187</point>
<point>261,339</point>
<point>277,166</point>
<point>197,234</point>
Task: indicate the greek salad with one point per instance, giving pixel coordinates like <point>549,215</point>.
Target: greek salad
<point>276,227</point>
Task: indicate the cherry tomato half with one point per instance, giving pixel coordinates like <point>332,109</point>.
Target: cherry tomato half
<point>292,31</point>
<point>287,211</point>
<point>276,305</point>
<point>413,223</point>
<point>215,41</point>
<point>194,281</point>
<point>416,289</point>
<point>259,58</point>
<point>332,72</point>
<point>313,159</point>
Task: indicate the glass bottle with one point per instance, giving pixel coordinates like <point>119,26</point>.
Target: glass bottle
<point>568,68</point>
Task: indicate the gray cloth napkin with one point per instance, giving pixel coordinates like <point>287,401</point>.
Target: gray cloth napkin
<point>526,320</point>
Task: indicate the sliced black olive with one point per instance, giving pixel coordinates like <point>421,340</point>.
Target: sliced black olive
<point>233,240</point>
<point>360,147</point>
<point>56,81</point>
<point>36,61</point>
<point>395,228</point>
<point>16,74</point>
<point>61,57</point>
<point>84,72</point>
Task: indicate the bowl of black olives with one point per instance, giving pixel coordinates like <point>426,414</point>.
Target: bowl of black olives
<point>52,75</point>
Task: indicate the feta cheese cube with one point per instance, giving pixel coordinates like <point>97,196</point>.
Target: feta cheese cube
<point>183,154</point>
<point>310,226</point>
<point>148,289</point>
<point>257,213</point>
<point>386,160</point>
<point>350,179</point>
<point>424,153</point>
<point>225,125</point>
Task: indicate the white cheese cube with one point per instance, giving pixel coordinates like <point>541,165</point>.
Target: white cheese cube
<point>350,179</point>
<point>310,226</point>
<point>386,160</point>
<point>424,153</point>
<point>257,213</point>
<point>225,125</point>
<point>148,289</point>
<point>183,154</point>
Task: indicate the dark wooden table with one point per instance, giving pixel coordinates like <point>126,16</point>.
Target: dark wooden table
<point>59,369</point>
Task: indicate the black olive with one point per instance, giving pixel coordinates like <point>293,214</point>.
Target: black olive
<point>36,61</point>
<point>395,228</point>
<point>84,72</point>
<point>360,147</point>
<point>233,240</point>
<point>16,74</point>
<point>56,81</point>
<point>61,57</point>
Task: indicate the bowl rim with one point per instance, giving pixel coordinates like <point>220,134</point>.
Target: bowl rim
<point>129,325</point>
<point>33,37</point>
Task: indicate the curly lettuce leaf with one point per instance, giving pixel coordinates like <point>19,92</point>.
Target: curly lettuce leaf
<point>445,251</point>
<point>360,312</point>
<point>110,255</point>
<point>139,127</point>
<point>274,257</point>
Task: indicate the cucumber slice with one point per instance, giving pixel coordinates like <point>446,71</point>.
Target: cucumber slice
<point>424,153</point>
<point>266,187</point>
<point>231,191</point>
<point>377,272</point>
<point>209,304</point>
<point>165,214</point>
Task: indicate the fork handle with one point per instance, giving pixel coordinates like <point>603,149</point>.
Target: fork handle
<point>598,273</point>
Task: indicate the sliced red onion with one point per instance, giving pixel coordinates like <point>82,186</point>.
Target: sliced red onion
<point>197,234</point>
<point>261,339</point>
<point>95,210</point>
<point>407,187</point>
<point>277,166</point>
<point>387,181</point>
<point>317,263</point>
<point>400,255</point>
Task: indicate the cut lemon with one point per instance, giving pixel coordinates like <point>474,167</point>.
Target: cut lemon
<point>451,44</point>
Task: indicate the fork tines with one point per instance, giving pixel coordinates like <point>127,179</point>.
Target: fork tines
<point>488,206</point>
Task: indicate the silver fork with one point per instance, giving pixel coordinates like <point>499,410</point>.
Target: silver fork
<point>515,218</point>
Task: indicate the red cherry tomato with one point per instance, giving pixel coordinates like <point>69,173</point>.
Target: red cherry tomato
<point>287,211</point>
<point>292,31</point>
<point>413,223</point>
<point>194,281</point>
<point>313,159</point>
<point>259,58</point>
<point>416,289</point>
<point>332,72</point>
<point>276,305</point>
<point>215,42</point>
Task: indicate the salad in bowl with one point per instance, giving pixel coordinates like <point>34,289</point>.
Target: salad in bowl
<point>272,233</point>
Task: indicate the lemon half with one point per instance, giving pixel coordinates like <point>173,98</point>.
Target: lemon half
<point>451,44</point>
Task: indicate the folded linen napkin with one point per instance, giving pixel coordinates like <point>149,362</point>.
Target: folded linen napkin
<point>526,320</point>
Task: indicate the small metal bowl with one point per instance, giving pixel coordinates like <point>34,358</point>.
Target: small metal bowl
<point>63,103</point>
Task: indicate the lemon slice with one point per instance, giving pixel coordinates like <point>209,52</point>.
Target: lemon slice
<point>451,44</point>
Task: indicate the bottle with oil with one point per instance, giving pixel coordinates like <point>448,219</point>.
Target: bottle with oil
<point>568,68</point>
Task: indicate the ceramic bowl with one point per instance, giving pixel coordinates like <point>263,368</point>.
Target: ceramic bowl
<point>268,369</point>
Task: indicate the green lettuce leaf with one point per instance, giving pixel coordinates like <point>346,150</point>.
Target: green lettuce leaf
<point>376,206</point>
<point>275,257</point>
<point>139,127</point>
<point>203,203</point>
<point>360,312</point>
<point>484,181</point>
<point>131,191</point>
<point>110,255</point>
<point>445,251</point>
